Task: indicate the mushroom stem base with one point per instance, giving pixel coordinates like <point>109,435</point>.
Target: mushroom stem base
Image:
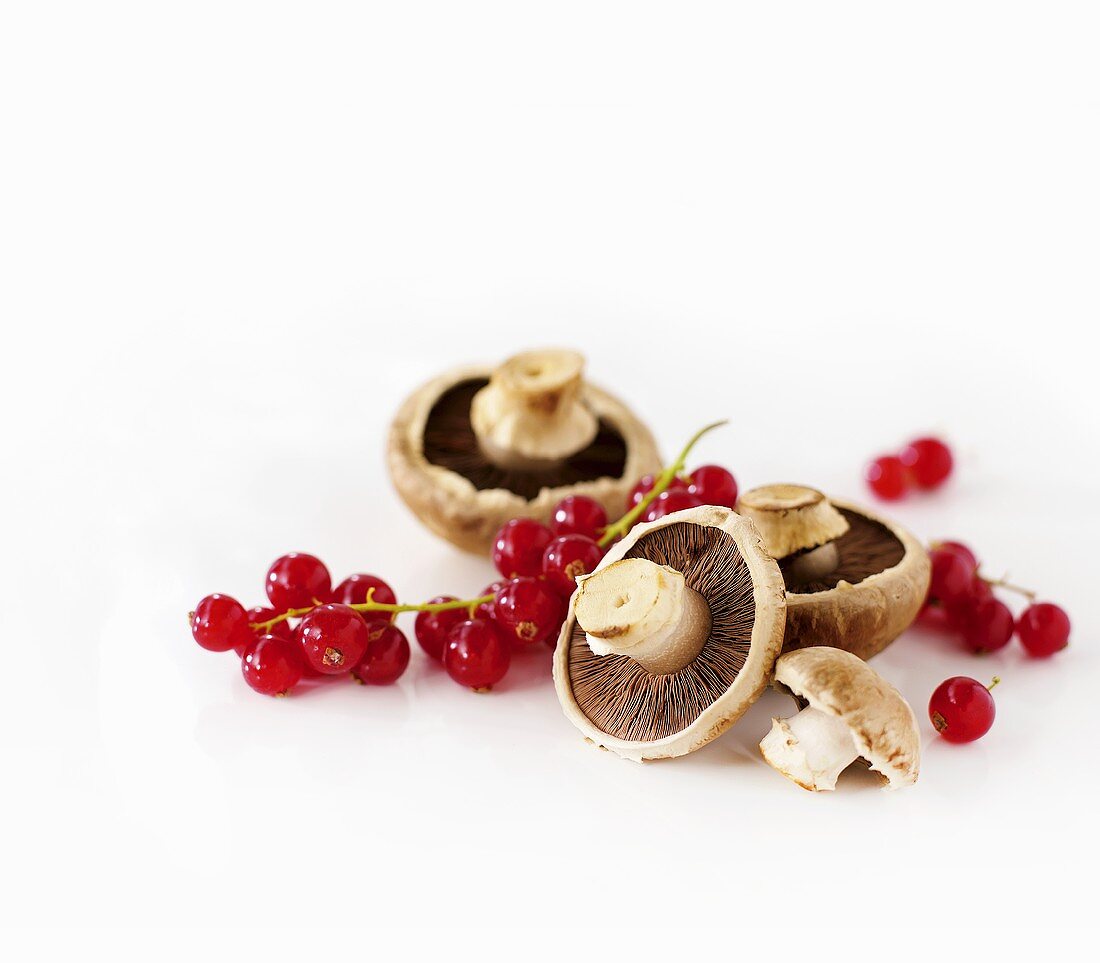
<point>811,748</point>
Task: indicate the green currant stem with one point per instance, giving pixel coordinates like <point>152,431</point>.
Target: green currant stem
<point>992,685</point>
<point>626,523</point>
<point>372,606</point>
<point>1005,584</point>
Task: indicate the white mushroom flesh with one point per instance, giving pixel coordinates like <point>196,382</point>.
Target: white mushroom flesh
<point>811,748</point>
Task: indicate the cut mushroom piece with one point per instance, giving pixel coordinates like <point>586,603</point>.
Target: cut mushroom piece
<point>854,581</point>
<point>477,446</point>
<point>672,637</point>
<point>849,712</point>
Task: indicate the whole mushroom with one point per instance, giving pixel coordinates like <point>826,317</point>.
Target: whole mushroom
<point>672,637</point>
<point>848,712</point>
<point>477,446</point>
<point>854,581</point>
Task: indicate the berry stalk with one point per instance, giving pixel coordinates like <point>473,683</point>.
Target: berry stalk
<point>371,606</point>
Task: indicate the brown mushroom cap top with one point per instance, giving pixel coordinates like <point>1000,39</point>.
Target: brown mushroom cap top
<point>841,685</point>
<point>464,486</point>
<point>638,714</point>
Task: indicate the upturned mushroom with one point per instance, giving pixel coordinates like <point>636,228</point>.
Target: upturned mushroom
<point>476,447</point>
<point>854,581</point>
<point>672,637</point>
<point>848,712</point>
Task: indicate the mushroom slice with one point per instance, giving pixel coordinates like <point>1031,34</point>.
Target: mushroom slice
<point>854,581</point>
<point>478,446</point>
<point>850,712</point>
<point>672,637</point>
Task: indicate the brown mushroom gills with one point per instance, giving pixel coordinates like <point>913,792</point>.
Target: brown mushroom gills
<point>450,442</point>
<point>867,548</point>
<point>623,699</point>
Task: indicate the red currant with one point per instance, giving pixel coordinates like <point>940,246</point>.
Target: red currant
<point>296,581</point>
<point>959,549</point>
<point>952,577</point>
<point>962,709</point>
<point>355,588</point>
<point>334,638</point>
<point>432,628</point>
<point>261,614</point>
<point>960,612</point>
<point>578,515</point>
<point>566,557</point>
<point>645,486</point>
<point>272,665</point>
<point>386,658</point>
<point>713,485</point>
<point>928,461</point>
<point>518,547</point>
<point>887,478</point>
<point>477,654</point>
<point>219,623</point>
<point>988,627</point>
<point>668,502</point>
<point>527,611</point>
<point>1043,629</point>
<point>485,609</point>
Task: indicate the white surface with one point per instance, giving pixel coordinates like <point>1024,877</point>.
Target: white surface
<point>232,238</point>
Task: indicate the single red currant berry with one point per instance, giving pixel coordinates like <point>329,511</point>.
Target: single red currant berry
<point>219,623</point>
<point>432,628</point>
<point>668,502</point>
<point>989,626</point>
<point>713,485</point>
<point>952,577</point>
<point>528,611</point>
<point>960,612</point>
<point>355,588</point>
<point>887,478</point>
<point>333,638</point>
<point>518,547</point>
<point>962,709</point>
<point>477,655</point>
<point>645,486</point>
<point>934,616</point>
<point>386,658</point>
<point>928,461</point>
<point>578,515</point>
<point>296,581</point>
<point>566,557</point>
<point>259,615</point>
<point>272,665</point>
<point>1043,628</point>
<point>959,549</point>
<point>485,610</point>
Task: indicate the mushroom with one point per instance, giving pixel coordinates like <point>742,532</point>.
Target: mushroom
<point>672,637</point>
<point>476,447</point>
<point>854,581</point>
<point>849,712</point>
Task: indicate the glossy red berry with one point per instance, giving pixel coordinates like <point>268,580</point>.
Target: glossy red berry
<point>477,654</point>
<point>261,614</point>
<point>670,501</point>
<point>355,588</point>
<point>578,515</point>
<point>432,628</point>
<point>988,627</point>
<point>566,557</point>
<point>485,610</point>
<point>219,623</point>
<point>928,462</point>
<point>887,478</point>
<point>518,547</point>
<point>961,611</point>
<point>960,549</point>
<point>528,611</point>
<point>296,581</point>
<point>962,709</point>
<point>645,486</point>
<point>1043,629</point>
<point>713,485</point>
<point>334,638</point>
<point>952,577</point>
<point>272,665</point>
<point>386,658</point>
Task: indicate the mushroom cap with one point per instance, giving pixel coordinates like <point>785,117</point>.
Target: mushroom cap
<point>617,704</point>
<point>864,615</point>
<point>881,721</point>
<point>469,514</point>
<point>791,517</point>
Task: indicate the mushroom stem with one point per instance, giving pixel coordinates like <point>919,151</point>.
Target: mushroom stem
<point>811,748</point>
<point>645,611</point>
<point>810,566</point>
<point>531,414</point>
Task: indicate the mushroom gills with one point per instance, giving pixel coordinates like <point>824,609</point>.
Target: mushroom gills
<point>811,748</point>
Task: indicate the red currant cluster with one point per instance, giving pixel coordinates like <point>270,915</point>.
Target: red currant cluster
<point>924,463</point>
<point>961,600</point>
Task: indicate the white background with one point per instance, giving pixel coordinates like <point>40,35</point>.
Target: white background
<point>233,236</point>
